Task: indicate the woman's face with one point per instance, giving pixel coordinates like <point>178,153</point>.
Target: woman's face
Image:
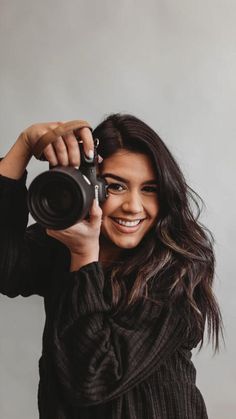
<point>131,208</point>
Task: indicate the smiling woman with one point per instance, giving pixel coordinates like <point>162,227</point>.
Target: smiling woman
<point>127,291</point>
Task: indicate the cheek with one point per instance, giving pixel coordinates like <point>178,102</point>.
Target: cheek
<point>153,208</point>
<point>110,205</point>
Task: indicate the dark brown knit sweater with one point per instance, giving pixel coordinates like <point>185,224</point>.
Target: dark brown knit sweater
<point>95,364</point>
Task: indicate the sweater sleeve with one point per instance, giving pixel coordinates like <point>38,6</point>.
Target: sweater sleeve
<point>27,254</point>
<point>98,356</point>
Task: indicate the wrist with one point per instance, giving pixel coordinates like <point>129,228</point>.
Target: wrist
<point>81,259</point>
<point>16,160</point>
<point>23,143</point>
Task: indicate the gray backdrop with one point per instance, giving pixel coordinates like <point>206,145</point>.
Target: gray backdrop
<point>171,63</point>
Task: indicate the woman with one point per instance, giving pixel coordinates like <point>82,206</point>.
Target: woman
<point>127,292</point>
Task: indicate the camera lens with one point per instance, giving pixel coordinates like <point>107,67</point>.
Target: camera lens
<point>57,198</point>
<point>60,197</point>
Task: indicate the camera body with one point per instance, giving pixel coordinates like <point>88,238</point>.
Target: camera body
<point>62,196</point>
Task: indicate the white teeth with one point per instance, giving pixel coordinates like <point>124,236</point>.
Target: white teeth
<point>128,223</point>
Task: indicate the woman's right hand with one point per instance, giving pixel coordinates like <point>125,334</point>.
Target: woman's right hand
<point>64,150</point>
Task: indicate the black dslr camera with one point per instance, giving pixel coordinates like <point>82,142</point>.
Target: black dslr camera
<point>62,196</point>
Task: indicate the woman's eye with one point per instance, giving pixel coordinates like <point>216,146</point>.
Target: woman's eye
<point>115,187</point>
<point>150,189</point>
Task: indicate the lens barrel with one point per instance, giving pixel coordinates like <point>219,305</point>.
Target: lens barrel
<point>60,197</point>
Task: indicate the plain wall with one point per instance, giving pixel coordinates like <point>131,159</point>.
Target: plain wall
<point>171,63</point>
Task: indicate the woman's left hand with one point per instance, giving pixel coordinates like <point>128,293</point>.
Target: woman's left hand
<point>82,239</point>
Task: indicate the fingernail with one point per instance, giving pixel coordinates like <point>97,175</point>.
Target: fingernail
<point>100,159</point>
<point>91,154</point>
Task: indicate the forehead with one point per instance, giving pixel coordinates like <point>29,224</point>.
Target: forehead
<point>129,165</point>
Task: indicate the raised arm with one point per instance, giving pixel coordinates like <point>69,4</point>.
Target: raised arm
<point>27,256</point>
<point>63,151</point>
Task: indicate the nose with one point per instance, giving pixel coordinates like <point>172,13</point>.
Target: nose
<point>132,203</point>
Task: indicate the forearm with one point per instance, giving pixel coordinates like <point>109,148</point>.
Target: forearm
<point>14,163</point>
<point>20,274</point>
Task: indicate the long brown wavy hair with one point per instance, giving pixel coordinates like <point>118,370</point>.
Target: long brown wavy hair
<point>175,262</point>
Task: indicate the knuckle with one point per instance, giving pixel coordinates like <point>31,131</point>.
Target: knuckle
<point>74,161</point>
<point>63,163</point>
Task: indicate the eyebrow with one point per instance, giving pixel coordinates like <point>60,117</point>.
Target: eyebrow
<point>121,179</point>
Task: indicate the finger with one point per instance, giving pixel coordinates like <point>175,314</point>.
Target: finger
<point>95,214</point>
<point>61,152</point>
<point>50,155</point>
<point>72,149</point>
<point>88,144</point>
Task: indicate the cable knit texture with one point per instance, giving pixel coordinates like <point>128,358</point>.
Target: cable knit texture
<point>95,364</point>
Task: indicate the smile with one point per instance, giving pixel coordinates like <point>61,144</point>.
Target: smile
<point>125,225</point>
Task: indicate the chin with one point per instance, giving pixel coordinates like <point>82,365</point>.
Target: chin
<point>126,244</point>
